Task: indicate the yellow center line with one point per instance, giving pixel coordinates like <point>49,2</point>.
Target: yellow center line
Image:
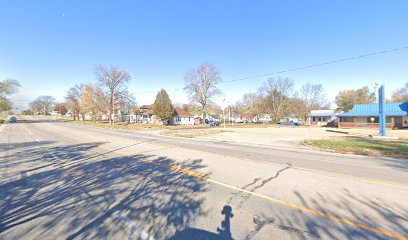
<point>271,199</point>
<point>340,175</point>
<point>362,179</point>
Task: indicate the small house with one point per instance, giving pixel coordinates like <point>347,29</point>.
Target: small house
<point>248,117</point>
<point>182,117</point>
<point>265,118</point>
<point>366,116</point>
<point>321,117</point>
<point>147,114</point>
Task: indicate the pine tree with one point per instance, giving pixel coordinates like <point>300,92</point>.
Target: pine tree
<point>163,107</point>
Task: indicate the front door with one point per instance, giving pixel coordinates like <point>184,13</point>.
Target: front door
<point>404,122</point>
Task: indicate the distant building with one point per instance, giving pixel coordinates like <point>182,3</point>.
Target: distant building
<point>265,118</point>
<point>147,115</point>
<point>181,117</point>
<point>366,116</point>
<point>248,117</point>
<point>321,117</point>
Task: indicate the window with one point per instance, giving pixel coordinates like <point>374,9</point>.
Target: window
<point>314,119</point>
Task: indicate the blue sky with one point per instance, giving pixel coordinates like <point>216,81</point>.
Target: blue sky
<point>51,45</point>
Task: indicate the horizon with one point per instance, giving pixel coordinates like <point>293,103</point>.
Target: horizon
<point>52,46</point>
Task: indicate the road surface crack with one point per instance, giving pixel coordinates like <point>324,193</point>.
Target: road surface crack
<point>261,223</point>
<point>244,188</point>
<point>246,196</point>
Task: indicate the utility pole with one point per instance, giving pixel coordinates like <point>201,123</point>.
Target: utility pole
<point>223,113</point>
<point>113,109</point>
<point>229,115</point>
<point>377,100</point>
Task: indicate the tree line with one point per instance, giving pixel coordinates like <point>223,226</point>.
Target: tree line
<point>106,95</point>
<point>276,96</point>
<point>7,88</point>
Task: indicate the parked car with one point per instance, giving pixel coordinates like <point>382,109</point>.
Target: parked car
<point>213,123</point>
<point>13,120</point>
<point>239,120</point>
<point>291,124</point>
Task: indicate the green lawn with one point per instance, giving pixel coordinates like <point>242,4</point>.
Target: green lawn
<point>364,146</point>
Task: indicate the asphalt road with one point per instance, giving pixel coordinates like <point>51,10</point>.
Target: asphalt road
<point>63,181</point>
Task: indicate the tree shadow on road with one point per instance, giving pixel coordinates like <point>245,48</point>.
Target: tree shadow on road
<point>224,232</point>
<point>100,197</point>
<point>36,120</point>
<point>355,208</point>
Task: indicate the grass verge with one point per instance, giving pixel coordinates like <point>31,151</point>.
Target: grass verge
<point>190,133</point>
<point>118,125</point>
<point>363,146</point>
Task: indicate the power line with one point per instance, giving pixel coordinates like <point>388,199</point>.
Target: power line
<point>301,68</point>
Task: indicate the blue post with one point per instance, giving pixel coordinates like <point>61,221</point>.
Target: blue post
<point>381,110</point>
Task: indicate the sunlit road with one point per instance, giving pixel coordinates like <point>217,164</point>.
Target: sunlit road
<point>64,181</point>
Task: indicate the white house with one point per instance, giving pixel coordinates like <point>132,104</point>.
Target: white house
<point>265,118</point>
<point>181,117</point>
<point>321,117</point>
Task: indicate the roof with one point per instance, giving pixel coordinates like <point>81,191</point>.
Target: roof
<point>147,109</point>
<point>248,115</point>
<point>181,112</point>
<point>147,106</point>
<point>366,110</point>
<point>321,113</point>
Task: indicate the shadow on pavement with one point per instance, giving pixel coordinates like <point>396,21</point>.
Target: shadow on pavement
<point>35,120</point>
<point>224,232</point>
<point>360,209</point>
<point>99,197</point>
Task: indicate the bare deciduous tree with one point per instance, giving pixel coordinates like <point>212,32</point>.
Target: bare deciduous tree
<point>113,81</point>
<point>43,105</point>
<point>400,95</point>
<point>190,108</point>
<point>276,93</point>
<point>252,103</point>
<point>125,101</point>
<point>313,97</point>
<point>61,108</point>
<point>201,85</point>
<point>73,100</point>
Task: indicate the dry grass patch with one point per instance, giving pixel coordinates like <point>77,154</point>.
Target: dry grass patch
<point>248,125</point>
<point>118,125</point>
<point>190,133</point>
<point>363,146</point>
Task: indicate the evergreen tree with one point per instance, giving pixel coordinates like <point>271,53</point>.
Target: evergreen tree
<point>163,107</point>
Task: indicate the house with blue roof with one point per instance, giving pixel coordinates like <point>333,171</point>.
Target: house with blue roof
<point>366,116</point>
